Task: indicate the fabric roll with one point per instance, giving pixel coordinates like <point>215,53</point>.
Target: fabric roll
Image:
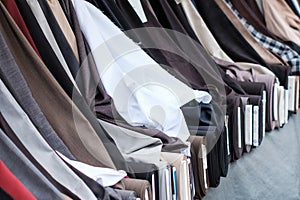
<point>13,10</point>
<point>124,194</point>
<point>217,160</point>
<point>71,126</point>
<point>28,174</point>
<point>256,101</point>
<point>12,77</point>
<point>182,18</point>
<point>20,129</point>
<point>202,31</point>
<point>63,44</point>
<point>175,160</point>
<point>141,187</point>
<point>269,81</point>
<point>264,53</point>
<point>198,144</point>
<point>281,20</point>
<point>44,26</point>
<point>282,73</point>
<point>258,5</point>
<point>223,154</point>
<point>12,185</point>
<point>214,170</point>
<point>253,16</point>
<point>244,100</point>
<point>233,100</point>
<point>64,25</point>
<point>229,38</point>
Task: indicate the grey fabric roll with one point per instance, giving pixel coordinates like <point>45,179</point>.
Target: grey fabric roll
<point>37,147</point>
<point>123,194</point>
<point>29,176</point>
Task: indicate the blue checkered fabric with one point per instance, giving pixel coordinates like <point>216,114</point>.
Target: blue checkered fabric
<point>285,52</point>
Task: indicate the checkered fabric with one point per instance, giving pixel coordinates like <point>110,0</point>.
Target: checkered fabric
<point>278,48</point>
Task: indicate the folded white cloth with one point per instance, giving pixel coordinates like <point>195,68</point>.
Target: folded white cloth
<point>104,176</point>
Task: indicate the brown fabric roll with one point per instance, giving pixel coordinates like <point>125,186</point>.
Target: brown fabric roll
<point>256,9</point>
<point>139,186</point>
<point>200,173</point>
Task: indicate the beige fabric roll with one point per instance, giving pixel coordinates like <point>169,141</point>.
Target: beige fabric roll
<point>281,20</point>
<point>202,32</point>
<point>64,25</point>
<point>175,159</point>
<point>141,187</point>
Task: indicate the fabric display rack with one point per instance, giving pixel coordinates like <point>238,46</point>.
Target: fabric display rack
<point>140,99</point>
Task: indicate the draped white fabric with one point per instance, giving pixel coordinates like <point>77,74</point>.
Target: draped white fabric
<point>143,92</point>
<point>105,176</point>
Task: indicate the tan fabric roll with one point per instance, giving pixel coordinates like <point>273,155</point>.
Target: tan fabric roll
<point>281,20</point>
<point>174,159</point>
<point>139,186</point>
<point>64,25</point>
<point>202,32</point>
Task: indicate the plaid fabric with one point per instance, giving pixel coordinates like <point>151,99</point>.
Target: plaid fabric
<point>278,48</point>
